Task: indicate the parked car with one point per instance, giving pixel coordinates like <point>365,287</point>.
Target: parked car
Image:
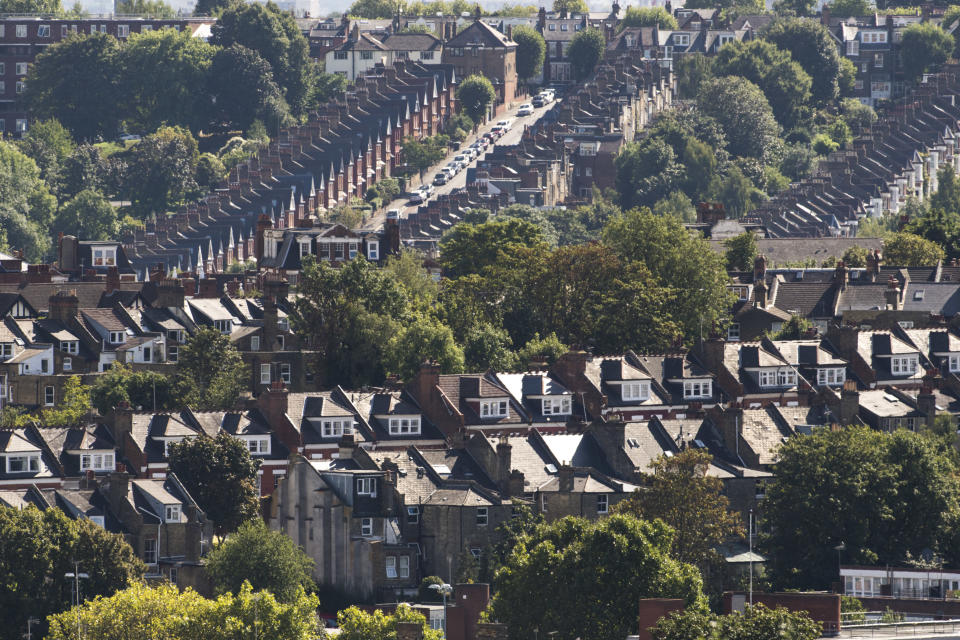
<point>427,190</point>
<point>525,110</point>
<point>416,197</point>
<point>538,101</point>
<point>441,178</point>
<point>462,159</point>
<point>505,124</point>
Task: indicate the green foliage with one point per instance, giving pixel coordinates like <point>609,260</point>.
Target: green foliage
<point>161,171</point>
<point>741,251</point>
<point>678,205</point>
<point>273,561</point>
<point>383,192</point>
<point>614,562</point>
<point>356,624</point>
<point>648,17</point>
<point>647,171</point>
<point>531,49</point>
<point>72,409</point>
<point>420,155</point>
<point>467,248</point>
<point>49,144</point>
<point>458,127</point>
<point>146,390</point>
<point>798,161</point>
<point>856,612</point>
<point>847,80</point>
<point>909,250</point>
<point>39,548</point>
<point>744,115</point>
<point>488,347</point>
<point>585,51</point>
<point>793,329</point>
<point>813,48</point>
<point>823,144</point>
<point>423,339</point>
<point>244,90</point>
<point>691,71</point>
<point>210,171</point>
<point>212,7</point>
<point>49,7</point>
<point>924,47</point>
<point>883,495</point>
<point>756,622</point>
<point>847,8</point>
<point>475,94</point>
<point>152,8</point>
<point>372,9</point>
<point>26,207</point>
<point>546,349</point>
<point>90,216</point>
<point>736,192</point>
<point>857,115</point>
<point>221,476</point>
<point>164,611</point>
<point>569,7</point>
<point>210,371</point>
<point>855,257</point>
<point>679,492</point>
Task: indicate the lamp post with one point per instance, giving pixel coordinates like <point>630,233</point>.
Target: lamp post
<point>76,575</point>
<point>840,548</point>
<point>444,590</point>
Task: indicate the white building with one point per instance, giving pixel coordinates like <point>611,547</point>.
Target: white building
<point>362,51</point>
<point>900,582</point>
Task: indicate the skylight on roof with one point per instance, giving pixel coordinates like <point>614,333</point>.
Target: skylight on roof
<point>918,294</point>
<point>551,468</point>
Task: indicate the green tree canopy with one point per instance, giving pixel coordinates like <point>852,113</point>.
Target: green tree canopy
<point>49,144</point>
<point>647,172</point>
<point>585,52</point>
<point>420,155</point>
<point>357,624</point>
<point>908,250</point>
<point>648,17</point>
<point>52,7</point>
<point>161,171</point>
<point>812,46</point>
<point>569,7</point>
<point>143,390</point>
<point>85,168</point>
<point>614,562</point>
<point>26,206</point>
<point>531,49</point>
<point>221,476</point>
<point>741,251</point>
<point>745,116</point>
<point>152,8</point>
<point>210,371</point>
<point>475,95</point>
<point>89,216</point>
<point>77,81</point>
<point>212,7</point>
<point>883,495</point>
<point>756,622</point>
<point>243,90</point>
<point>372,9</point>
<point>271,559</point>
<point>163,611</point>
<point>924,47</point>
<point>39,547</point>
<point>469,248</point>
<point>71,409</point>
<point>424,338</point>
<point>691,71</point>
<point>847,8</point>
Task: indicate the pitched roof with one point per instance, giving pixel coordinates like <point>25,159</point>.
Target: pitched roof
<point>480,33</point>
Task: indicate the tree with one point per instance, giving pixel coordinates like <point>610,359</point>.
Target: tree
<point>77,81</point>
<point>469,248</point>
<point>546,349</point>
<point>212,7</point>
<point>383,192</point>
<point>679,492</point>
<point>531,49</point>
<point>372,9</point>
<point>847,8</point>
<point>855,257</point>
<point>243,90</point>
<point>924,47</point>
<point>272,560</point>
<point>424,338</point>
<point>613,562</point>
<point>475,95</point>
<point>220,475</point>
<point>692,70</point>
<point>883,495</point>
<point>49,144</point>
<point>569,7</point>
<point>741,251</point>
<point>163,611</point>
<point>52,7</point>
<point>274,34</point>
<point>755,622</point>
<point>211,371</point>
<point>857,115</point>
<point>85,168</point>
<point>784,82</point>
<point>793,7</point>
<point>39,547</point>
<point>745,116</point>
<point>210,171</point>
<point>423,154</point>
<point>152,8</point>
<point>72,408</point>
<point>89,216</point>
<point>812,46</point>
<point>647,171</point>
<point>736,192</point>
<point>648,17</point>
<point>793,329</point>
<point>459,126</point>
<point>908,250</point>
<point>798,161</point>
<point>357,624</point>
<point>677,260</point>
<point>488,347</point>
<point>160,171</point>
<point>26,207</point>
<point>585,51</point>
<point>143,390</point>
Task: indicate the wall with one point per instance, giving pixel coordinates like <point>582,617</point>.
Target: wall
<point>822,607</point>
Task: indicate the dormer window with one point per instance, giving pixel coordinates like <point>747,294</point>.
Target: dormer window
<point>953,363</point>
<point>367,487</point>
<point>559,406</point>
<point>782,377</point>
<point>405,425</point>
<point>635,390</point>
<point>23,463</point>
<point>337,428</point>
<point>223,326</point>
<point>171,513</point>
<point>697,389</point>
<point>259,446</point>
<point>118,337</point>
<point>305,248</point>
<point>903,365</point>
<point>70,346</point>
<point>104,256</point>
<point>96,462</point>
<point>493,408</point>
<point>6,350</point>
<point>831,376</point>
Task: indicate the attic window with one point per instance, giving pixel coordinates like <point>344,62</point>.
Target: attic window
<point>104,256</point>
<point>635,390</point>
<point>409,425</point>
<point>172,513</point>
<point>118,337</point>
<point>367,487</point>
<point>918,294</point>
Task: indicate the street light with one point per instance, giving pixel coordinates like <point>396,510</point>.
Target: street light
<point>840,548</point>
<point>444,590</point>
<point>76,575</point>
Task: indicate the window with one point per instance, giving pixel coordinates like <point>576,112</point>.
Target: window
<point>544,504</point>
<point>173,352</point>
<point>413,515</point>
<point>123,30</point>
<point>265,374</point>
<point>171,513</point>
<point>481,516</point>
<point>352,250</point>
<point>681,39</point>
<point>150,551</point>
<point>280,342</point>
<point>21,125</point>
<point>786,377</point>
<point>367,487</point>
<point>254,343</point>
<point>21,86</point>
<point>104,256</point>
<point>48,396</point>
<point>339,55</point>
<point>405,425</point>
<point>831,376</point>
<point>603,503</point>
<point>954,363</point>
<point>564,27</point>
<point>475,51</point>
<point>635,390</point>
<point>23,463</point>
<point>556,406</point>
<point>43,31</point>
<point>338,250</point>
<point>223,326</point>
<point>3,89</point>
<point>285,372</point>
<point>696,389</point>
<point>875,37</point>
<point>259,446</point>
<point>366,55</point>
<point>96,462</point>
<point>493,408</point>
<point>97,520</point>
<point>853,48</point>
<point>476,552</point>
<point>878,60</point>
<point>6,349</point>
<point>366,526</point>
<point>174,575</point>
<point>21,31</point>
<point>44,366</point>
<point>391,566</point>
<point>337,428</point>
<point>588,171</point>
<point>404,566</point>
<point>68,364</point>
<point>373,250</point>
<point>70,346</point>
<point>552,27</point>
<point>426,55</point>
<point>903,366</point>
<point>733,332</point>
<point>118,337</point>
<point>304,248</point>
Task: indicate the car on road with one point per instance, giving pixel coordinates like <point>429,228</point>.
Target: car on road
<point>427,190</point>
<point>441,178</point>
<point>416,197</point>
<point>525,110</point>
<point>462,159</point>
<point>538,101</point>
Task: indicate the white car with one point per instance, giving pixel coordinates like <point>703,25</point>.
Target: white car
<point>525,110</point>
<point>462,159</point>
<point>416,197</point>
<point>505,124</point>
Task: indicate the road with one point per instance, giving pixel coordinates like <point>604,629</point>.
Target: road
<point>460,180</point>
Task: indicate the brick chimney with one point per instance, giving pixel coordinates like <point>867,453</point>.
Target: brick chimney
<point>263,223</point>
<point>840,275</point>
<point>504,451</point>
<point>345,446</point>
<point>759,269</point>
<point>64,306</point>
<point>926,400</point>
<point>170,293</point>
<point>873,265</point>
<point>208,288</point>
<point>892,294</point>
<point>849,402</point>
<point>113,280</point>
<point>566,478</point>
<point>760,294</point>
<point>426,381</point>
<point>118,489</point>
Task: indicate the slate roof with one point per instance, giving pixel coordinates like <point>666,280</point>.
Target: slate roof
<point>941,298</point>
<point>762,432</point>
<point>458,497</point>
<point>807,299</point>
<point>480,33</point>
<point>412,42</point>
<point>807,353</point>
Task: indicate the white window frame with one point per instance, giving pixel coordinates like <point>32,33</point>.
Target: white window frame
<point>406,425</point>
<point>558,406</point>
<point>123,30</point>
<point>334,428</point>
<point>903,365</point>
<point>171,513</point>
<point>259,446</point>
<point>118,337</point>
<point>21,31</point>
<point>830,376</point>
<point>493,409</point>
<point>413,515</point>
<point>104,256</point>
<point>697,389</point>
<point>265,374</point>
<point>367,486</point>
<point>603,503</point>
<point>373,250</point>
<point>254,343</point>
<point>285,372</point>
<point>635,390</point>
<point>403,566</point>
<point>483,516</point>
<point>31,462</point>
<point>366,527</point>
<point>151,551</point>
<point>733,332</point>
<point>953,363</point>
<point>68,364</point>
<point>43,31</point>
<point>49,396</point>
<point>6,349</point>
<point>391,566</point>
<point>97,462</point>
